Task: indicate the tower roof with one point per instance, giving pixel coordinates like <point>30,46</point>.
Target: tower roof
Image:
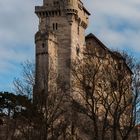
<point>86,11</point>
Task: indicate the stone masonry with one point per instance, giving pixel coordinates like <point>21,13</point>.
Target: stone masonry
<point>60,39</point>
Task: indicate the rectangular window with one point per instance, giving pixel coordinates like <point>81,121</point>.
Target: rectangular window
<point>55,26</point>
<point>78,30</point>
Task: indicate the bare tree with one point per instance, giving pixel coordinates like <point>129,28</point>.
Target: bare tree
<point>24,84</point>
<point>104,95</point>
<point>44,119</point>
<point>102,103</point>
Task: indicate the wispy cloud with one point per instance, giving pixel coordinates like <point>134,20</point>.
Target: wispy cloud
<point>115,22</point>
<point>18,25</point>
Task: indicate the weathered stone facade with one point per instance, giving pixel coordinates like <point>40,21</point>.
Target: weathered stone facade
<point>60,38</point>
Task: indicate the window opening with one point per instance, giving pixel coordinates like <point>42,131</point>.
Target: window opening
<point>120,66</point>
<point>53,26</point>
<point>78,29</point>
<point>77,50</point>
<point>43,45</point>
<point>52,13</point>
<point>56,26</point>
<point>59,13</point>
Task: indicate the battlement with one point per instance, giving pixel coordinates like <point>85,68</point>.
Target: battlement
<point>66,9</point>
<point>42,11</point>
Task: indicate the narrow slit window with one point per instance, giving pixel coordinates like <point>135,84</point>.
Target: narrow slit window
<point>59,13</point>
<point>43,45</point>
<point>78,30</point>
<point>77,51</point>
<point>53,26</point>
<point>52,13</point>
<point>56,26</point>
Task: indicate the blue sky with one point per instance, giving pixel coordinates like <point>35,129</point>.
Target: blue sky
<point>115,22</point>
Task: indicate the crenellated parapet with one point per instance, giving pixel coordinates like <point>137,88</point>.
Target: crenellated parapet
<point>42,11</point>
<point>74,10</point>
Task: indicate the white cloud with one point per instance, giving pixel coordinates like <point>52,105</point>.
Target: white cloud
<point>115,22</point>
<point>18,25</point>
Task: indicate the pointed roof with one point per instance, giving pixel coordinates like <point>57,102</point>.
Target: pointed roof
<point>86,11</point>
<point>113,53</point>
<point>96,39</point>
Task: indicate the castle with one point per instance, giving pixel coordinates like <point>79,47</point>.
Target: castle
<point>102,81</point>
<point>60,40</point>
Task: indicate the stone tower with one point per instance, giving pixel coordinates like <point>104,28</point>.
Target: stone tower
<point>60,38</point>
